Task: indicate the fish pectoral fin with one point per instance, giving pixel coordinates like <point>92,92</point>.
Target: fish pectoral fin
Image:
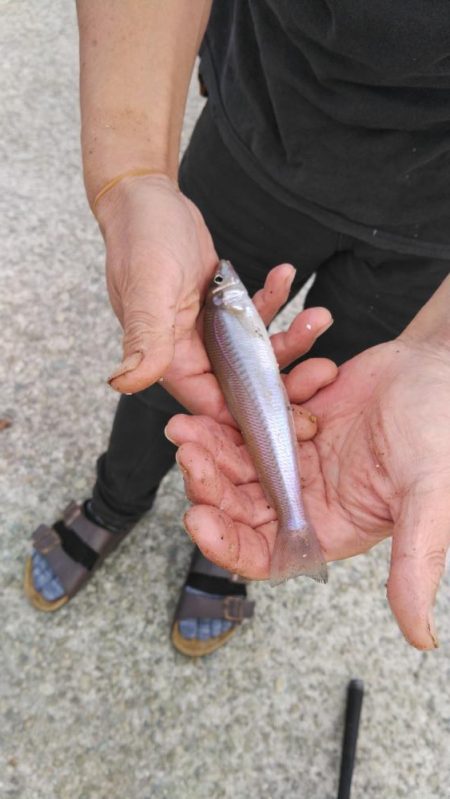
<point>235,308</point>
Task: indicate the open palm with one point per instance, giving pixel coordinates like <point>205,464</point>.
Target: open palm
<point>379,465</point>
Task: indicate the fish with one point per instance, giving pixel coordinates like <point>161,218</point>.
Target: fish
<point>239,348</point>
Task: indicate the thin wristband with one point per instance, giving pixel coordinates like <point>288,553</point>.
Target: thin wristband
<point>114,181</point>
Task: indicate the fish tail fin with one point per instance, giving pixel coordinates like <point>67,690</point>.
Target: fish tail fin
<point>295,553</point>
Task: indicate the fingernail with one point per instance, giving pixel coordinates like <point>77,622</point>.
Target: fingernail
<point>325,327</point>
<point>432,629</point>
<point>168,437</point>
<point>289,278</point>
<point>186,527</point>
<point>127,365</point>
<point>181,466</point>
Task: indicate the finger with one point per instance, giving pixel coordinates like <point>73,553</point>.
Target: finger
<point>222,442</point>
<point>190,380</point>
<point>225,443</point>
<point>232,545</point>
<point>275,292</point>
<point>419,545</point>
<point>301,335</point>
<point>148,340</point>
<point>305,423</point>
<point>200,394</point>
<point>308,377</point>
<point>213,435</point>
<point>205,484</point>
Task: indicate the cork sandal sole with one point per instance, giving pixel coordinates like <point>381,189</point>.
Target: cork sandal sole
<point>36,599</point>
<point>194,648</point>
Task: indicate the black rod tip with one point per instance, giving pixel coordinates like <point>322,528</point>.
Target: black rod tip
<point>355,693</point>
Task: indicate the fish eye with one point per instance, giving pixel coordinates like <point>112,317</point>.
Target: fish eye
<point>218,280</point>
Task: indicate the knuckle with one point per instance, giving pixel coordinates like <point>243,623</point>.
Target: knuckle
<point>141,325</point>
<point>435,564</point>
<point>416,567</point>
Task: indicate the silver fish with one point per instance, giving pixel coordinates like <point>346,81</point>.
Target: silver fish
<point>244,363</point>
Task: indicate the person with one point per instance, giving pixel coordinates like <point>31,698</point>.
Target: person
<point>323,144</point>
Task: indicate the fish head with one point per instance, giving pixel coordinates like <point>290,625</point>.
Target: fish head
<point>226,287</point>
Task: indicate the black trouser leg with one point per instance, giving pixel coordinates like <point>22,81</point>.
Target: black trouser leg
<point>137,458</point>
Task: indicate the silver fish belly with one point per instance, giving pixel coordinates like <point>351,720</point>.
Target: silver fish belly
<point>244,363</point>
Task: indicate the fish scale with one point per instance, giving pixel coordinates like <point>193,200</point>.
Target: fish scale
<point>245,365</point>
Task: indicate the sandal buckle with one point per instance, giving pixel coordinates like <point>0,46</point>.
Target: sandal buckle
<point>233,608</point>
<point>49,540</point>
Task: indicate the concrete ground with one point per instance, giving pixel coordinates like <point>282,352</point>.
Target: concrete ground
<point>95,704</point>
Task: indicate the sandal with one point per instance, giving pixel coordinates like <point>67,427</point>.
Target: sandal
<point>230,604</point>
<point>74,548</point>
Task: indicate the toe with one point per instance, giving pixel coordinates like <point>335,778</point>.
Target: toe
<point>203,629</point>
<point>225,625</point>
<point>45,581</point>
<point>53,590</point>
<point>188,628</point>
<point>215,627</point>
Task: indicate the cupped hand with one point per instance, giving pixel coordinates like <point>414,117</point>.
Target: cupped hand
<point>379,466</point>
<point>160,260</point>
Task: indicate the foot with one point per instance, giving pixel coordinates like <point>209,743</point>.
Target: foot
<point>203,629</point>
<point>71,548</point>
<point>213,603</point>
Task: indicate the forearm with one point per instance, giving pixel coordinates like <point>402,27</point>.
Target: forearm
<point>432,324</point>
<point>136,60</point>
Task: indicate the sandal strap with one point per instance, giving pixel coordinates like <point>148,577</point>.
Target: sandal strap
<point>95,537</point>
<point>222,586</point>
<point>203,606</point>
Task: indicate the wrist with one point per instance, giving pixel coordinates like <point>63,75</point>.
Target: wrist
<point>431,326</point>
<point>120,198</point>
<point>108,154</point>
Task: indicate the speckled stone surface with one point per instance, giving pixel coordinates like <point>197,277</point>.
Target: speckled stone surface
<point>95,704</point>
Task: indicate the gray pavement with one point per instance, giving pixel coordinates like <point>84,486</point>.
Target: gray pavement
<point>95,704</point>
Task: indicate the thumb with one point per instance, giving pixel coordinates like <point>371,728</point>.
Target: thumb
<point>419,545</point>
<point>148,346</point>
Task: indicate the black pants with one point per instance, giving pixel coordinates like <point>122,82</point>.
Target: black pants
<point>371,293</point>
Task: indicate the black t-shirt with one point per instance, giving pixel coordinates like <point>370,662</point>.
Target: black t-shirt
<point>340,108</point>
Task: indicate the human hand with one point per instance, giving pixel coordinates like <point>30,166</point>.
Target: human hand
<point>379,466</point>
<point>160,259</point>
